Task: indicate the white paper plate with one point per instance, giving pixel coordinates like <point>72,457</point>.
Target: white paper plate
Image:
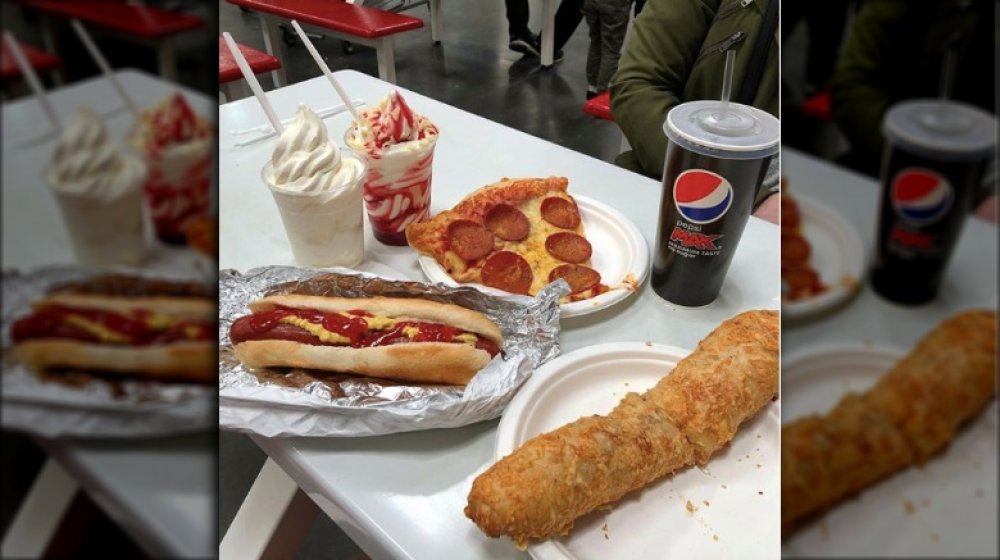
<point>741,484</point>
<point>619,251</point>
<point>947,508</point>
<point>838,256</point>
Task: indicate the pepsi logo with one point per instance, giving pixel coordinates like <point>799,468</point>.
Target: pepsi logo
<point>921,196</point>
<point>702,197</point>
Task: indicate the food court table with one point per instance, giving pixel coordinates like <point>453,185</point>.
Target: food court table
<point>161,490</point>
<point>970,281</point>
<point>401,496</point>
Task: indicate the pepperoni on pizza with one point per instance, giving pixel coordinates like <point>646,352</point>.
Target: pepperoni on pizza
<point>516,235</point>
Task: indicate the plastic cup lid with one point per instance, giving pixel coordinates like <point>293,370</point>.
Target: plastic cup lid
<point>941,129</point>
<point>710,128</point>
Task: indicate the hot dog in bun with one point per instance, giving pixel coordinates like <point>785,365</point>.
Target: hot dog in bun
<point>122,324</point>
<point>411,340</point>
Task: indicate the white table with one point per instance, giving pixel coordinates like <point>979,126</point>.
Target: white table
<point>160,490</point>
<point>970,281</point>
<point>401,496</point>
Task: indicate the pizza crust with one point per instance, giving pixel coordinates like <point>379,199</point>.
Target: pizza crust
<point>421,362</point>
<point>512,191</point>
<point>188,361</point>
<point>421,309</point>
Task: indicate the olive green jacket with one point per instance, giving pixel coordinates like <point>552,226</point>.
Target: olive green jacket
<point>676,53</point>
<point>895,50</point>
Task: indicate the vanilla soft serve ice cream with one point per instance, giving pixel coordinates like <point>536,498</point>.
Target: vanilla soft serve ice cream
<point>318,192</point>
<point>398,146</point>
<point>98,188</point>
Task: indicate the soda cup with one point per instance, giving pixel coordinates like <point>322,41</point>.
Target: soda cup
<point>936,153</point>
<point>717,156</point>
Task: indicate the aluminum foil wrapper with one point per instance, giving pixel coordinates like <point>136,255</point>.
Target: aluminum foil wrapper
<point>294,402</point>
<point>81,404</point>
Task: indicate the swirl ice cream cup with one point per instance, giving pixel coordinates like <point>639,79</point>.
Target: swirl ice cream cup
<point>178,148</point>
<point>99,193</point>
<point>318,190</point>
<point>398,147</point>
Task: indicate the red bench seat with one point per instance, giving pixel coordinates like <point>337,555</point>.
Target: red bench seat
<point>361,21</point>
<point>819,106</point>
<point>600,106</point>
<point>140,21</point>
<point>40,60</point>
<point>259,62</point>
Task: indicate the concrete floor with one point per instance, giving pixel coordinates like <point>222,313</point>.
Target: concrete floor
<point>471,69</point>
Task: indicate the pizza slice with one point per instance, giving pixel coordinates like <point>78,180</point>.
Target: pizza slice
<point>516,235</point>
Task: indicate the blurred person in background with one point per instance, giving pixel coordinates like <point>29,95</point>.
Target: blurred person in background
<point>825,21</point>
<point>895,51</point>
<point>608,21</point>
<point>524,41</point>
<point>677,53</point>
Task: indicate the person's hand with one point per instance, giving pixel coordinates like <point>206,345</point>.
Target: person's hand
<point>768,210</point>
<point>987,209</point>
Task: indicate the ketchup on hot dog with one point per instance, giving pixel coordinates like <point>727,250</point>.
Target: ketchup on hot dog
<point>353,326</point>
<point>95,325</point>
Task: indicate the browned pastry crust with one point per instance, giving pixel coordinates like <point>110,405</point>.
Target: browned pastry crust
<point>538,491</point>
<point>911,414</point>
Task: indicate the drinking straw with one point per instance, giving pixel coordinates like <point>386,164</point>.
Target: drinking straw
<point>252,80</point>
<point>948,67</point>
<point>326,71</point>
<point>102,62</point>
<point>29,74</point>
<point>727,79</point>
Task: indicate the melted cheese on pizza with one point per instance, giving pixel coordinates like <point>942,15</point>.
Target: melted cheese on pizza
<point>532,248</point>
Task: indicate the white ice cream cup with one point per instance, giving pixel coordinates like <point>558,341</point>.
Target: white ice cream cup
<point>105,231</point>
<point>323,228</point>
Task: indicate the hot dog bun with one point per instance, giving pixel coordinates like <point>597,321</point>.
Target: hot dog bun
<point>424,310</point>
<point>422,362</point>
<point>188,361</point>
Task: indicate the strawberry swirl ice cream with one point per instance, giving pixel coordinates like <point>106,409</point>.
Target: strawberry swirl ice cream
<point>398,146</point>
<point>177,145</point>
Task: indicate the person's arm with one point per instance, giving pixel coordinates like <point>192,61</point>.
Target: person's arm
<point>860,88</point>
<point>658,58</point>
